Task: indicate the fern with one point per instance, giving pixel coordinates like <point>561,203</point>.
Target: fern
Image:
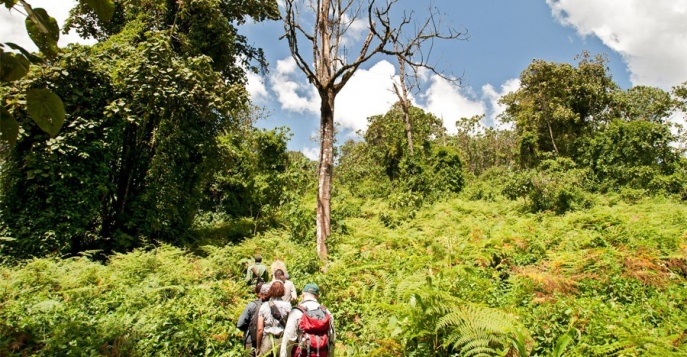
<point>480,331</point>
<point>630,343</point>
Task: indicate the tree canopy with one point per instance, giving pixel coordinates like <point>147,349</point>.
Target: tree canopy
<point>140,144</point>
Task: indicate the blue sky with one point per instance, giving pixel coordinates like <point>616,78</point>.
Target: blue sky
<point>645,41</point>
<point>504,37</point>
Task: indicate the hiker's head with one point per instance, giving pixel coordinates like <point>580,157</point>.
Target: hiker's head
<point>258,258</point>
<point>276,289</point>
<point>264,289</point>
<point>279,275</point>
<point>258,286</point>
<point>311,289</point>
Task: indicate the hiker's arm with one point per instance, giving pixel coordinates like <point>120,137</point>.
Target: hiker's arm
<point>249,275</point>
<point>332,335</point>
<point>290,334</point>
<point>244,319</point>
<point>261,328</point>
<point>294,294</point>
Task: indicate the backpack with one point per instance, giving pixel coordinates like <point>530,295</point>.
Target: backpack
<point>256,275</point>
<point>253,324</point>
<point>274,310</point>
<point>314,338</point>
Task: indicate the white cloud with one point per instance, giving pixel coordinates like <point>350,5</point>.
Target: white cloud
<point>292,92</point>
<point>451,102</point>
<point>12,28</point>
<point>354,32</point>
<point>367,93</point>
<point>492,96</point>
<point>311,153</point>
<point>650,35</point>
<point>256,88</point>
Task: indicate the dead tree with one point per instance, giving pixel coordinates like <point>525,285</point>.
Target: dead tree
<point>409,53</point>
<point>329,69</point>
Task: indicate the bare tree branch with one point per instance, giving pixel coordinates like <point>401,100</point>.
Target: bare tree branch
<point>330,69</point>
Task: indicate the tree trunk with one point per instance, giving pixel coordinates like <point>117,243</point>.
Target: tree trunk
<point>409,133</point>
<point>402,95</point>
<point>551,134</point>
<point>324,173</point>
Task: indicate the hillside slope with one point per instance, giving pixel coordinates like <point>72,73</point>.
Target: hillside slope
<point>454,278</point>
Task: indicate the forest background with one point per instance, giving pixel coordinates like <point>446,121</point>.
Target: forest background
<point>128,213</point>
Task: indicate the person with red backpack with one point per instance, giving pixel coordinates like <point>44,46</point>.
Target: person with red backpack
<point>309,330</point>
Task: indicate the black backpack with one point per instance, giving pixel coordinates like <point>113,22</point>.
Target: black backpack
<point>253,324</point>
<point>274,310</point>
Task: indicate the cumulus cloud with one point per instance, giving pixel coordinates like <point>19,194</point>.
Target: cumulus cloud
<point>491,96</point>
<point>354,33</point>
<point>256,88</point>
<point>650,35</point>
<point>312,153</point>
<point>367,93</point>
<point>293,93</point>
<point>13,28</point>
<point>451,102</point>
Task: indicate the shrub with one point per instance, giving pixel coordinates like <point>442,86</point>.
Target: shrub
<point>448,169</point>
<point>556,185</point>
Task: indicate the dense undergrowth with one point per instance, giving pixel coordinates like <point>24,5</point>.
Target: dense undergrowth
<point>461,277</point>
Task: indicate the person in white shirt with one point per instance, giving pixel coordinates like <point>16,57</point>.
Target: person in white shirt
<point>290,294</point>
<point>291,335</point>
<point>271,323</point>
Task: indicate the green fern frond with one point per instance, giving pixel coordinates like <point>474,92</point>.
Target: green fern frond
<point>635,344</point>
<point>476,329</point>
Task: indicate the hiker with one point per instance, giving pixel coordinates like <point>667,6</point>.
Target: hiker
<point>309,330</point>
<point>272,320</point>
<point>276,265</point>
<point>290,294</point>
<point>256,272</point>
<point>249,315</point>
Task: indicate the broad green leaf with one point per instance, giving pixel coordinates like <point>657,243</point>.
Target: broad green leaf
<point>46,109</point>
<point>561,344</point>
<point>9,3</point>
<point>43,31</point>
<point>13,66</point>
<point>9,128</point>
<point>32,58</point>
<point>103,8</point>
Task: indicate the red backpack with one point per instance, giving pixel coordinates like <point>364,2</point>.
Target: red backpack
<point>314,338</point>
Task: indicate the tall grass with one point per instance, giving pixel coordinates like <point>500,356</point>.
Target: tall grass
<point>459,277</point>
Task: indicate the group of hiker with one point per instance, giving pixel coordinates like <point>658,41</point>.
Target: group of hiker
<point>273,327</point>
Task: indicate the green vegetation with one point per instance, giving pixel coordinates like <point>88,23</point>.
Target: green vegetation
<point>125,230</point>
<point>462,274</point>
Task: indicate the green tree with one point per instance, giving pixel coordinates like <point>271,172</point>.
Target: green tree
<point>634,153</point>
<point>52,187</point>
<point>44,107</point>
<point>482,147</point>
<point>201,27</point>
<point>645,103</point>
<point>387,140</point>
<point>557,104</point>
<point>154,132</point>
<point>250,177</point>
